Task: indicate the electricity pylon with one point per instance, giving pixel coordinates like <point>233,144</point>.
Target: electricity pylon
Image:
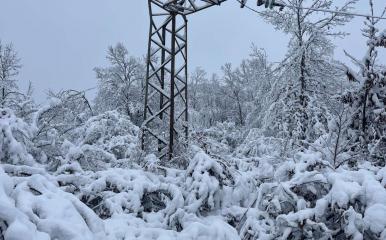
<point>166,90</point>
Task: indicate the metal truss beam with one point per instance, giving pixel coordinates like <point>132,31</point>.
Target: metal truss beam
<point>165,126</point>
<point>186,7</point>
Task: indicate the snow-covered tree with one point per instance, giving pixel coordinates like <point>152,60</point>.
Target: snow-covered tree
<point>308,71</point>
<point>336,145</point>
<point>197,79</point>
<point>56,121</point>
<point>239,95</point>
<point>259,76</point>
<point>24,105</point>
<point>9,69</point>
<point>11,97</point>
<point>368,101</point>
<point>208,105</point>
<point>15,137</point>
<point>234,90</point>
<point>120,84</point>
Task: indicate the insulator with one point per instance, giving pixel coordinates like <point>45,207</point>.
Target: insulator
<point>270,4</point>
<point>242,3</point>
<point>267,3</point>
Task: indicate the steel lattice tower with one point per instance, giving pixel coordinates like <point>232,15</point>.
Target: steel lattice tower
<point>165,126</point>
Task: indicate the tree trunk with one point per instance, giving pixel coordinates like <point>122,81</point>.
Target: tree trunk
<point>240,110</point>
<point>2,96</point>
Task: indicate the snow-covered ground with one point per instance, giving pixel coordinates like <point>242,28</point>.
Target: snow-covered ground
<point>235,196</point>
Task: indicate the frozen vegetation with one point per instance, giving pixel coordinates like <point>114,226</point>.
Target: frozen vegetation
<point>295,150</point>
<point>259,196</point>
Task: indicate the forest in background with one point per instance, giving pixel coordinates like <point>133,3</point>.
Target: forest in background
<point>289,150</point>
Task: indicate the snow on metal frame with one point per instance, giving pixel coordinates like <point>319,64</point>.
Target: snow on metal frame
<point>186,7</point>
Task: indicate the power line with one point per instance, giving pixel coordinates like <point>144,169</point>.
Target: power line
<point>248,7</point>
<point>317,10</point>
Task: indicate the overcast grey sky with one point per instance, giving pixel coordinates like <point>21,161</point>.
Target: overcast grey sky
<point>61,41</point>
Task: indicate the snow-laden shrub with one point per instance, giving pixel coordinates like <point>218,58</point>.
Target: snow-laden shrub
<point>33,207</point>
<point>378,151</point>
<point>33,204</point>
<point>88,156</point>
<point>256,145</point>
<point>118,191</point>
<point>309,200</point>
<point>14,138</point>
<point>55,121</point>
<point>104,141</point>
<point>110,131</point>
<point>14,224</point>
<point>226,132</point>
<point>218,140</point>
<point>209,144</point>
<point>206,179</point>
<point>128,227</point>
<point>210,227</point>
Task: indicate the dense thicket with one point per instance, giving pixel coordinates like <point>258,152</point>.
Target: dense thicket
<point>289,150</point>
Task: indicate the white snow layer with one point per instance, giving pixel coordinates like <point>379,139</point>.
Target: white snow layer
<point>39,205</point>
<point>35,206</point>
<point>239,197</point>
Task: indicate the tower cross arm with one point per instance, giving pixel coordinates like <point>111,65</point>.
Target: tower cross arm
<point>187,7</point>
